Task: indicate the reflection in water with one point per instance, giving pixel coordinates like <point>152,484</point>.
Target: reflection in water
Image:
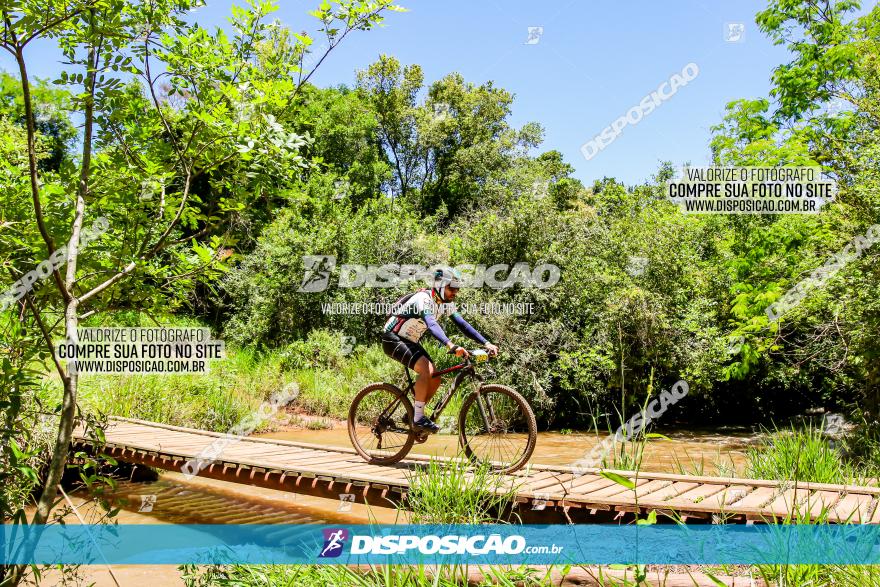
<point>173,499</point>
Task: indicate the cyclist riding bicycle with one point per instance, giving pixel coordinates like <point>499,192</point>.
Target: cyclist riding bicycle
<point>412,316</point>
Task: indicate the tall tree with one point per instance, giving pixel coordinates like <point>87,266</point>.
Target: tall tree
<point>163,104</point>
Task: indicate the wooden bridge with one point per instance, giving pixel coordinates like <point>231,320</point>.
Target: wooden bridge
<point>544,493</point>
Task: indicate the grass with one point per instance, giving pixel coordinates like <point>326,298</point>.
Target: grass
<point>442,492</point>
<point>723,465</point>
<point>234,388</point>
<point>806,455</point>
<point>803,455</point>
<point>237,385</point>
<point>372,576</point>
<point>455,492</point>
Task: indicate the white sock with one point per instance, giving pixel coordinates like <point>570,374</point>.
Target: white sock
<point>420,411</point>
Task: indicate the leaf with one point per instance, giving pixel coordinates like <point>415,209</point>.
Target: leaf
<point>714,579</point>
<point>619,479</point>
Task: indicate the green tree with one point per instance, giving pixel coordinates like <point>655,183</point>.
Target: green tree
<point>148,139</point>
<point>443,147</point>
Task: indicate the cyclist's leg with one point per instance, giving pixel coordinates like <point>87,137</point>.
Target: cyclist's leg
<point>426,385</point>
<point>414,356</point>
<point>401,350</point>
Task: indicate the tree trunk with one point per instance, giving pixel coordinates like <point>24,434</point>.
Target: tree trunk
<point>70,377</point>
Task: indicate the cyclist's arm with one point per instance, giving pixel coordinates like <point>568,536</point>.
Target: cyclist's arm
<point>467,329</point>
<point>435,329</point>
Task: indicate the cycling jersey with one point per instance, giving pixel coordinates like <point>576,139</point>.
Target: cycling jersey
<point>417,313</point>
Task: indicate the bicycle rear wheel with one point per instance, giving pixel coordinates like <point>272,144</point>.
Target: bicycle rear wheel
<point>496,425</point>
<point>380,424</point>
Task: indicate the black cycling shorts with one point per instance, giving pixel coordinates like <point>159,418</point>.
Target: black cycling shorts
<point>405,352</point>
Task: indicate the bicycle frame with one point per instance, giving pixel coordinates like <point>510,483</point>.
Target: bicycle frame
<point>465,369</point>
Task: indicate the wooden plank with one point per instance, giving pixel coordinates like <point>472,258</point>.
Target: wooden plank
<point>821,501</point>
<point>852,508</point>
<point>534,477</point>
<point>651,487</point>
<point>675,488</point>
<point>694,496</point>
<point>541,485</point>
<point>728,495</point>
<point>377,471</point>
<point>767,483</point>
<point>323,460</point>
<point>355,466</point>
<point>627,501</point>
<point>132,435</point>
<point>297,458</point>
<point>249,449</point>
<point>197,443</point>
<point>755,499</point>
<point>786,503</point>
<point>584,486</point>
<point>193,446</point>
<point>611,490</point>
<point>124,434</point>
<point>556,491</point>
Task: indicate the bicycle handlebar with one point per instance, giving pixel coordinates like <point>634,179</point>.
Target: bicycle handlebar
<point>476,356</point>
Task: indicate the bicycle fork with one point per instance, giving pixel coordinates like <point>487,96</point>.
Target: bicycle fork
<point>487,412</point>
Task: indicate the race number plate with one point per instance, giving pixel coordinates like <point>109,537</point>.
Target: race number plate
<point>480,356</point>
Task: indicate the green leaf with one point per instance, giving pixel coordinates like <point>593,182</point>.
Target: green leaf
<point>619,479</point>
<point>715,579</point>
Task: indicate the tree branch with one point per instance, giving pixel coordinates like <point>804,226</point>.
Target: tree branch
<point>32,164</point>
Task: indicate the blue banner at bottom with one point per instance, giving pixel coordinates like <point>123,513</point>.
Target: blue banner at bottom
<point>440,544</point>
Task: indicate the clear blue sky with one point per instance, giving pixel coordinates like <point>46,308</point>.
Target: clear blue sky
<point>593,62</point>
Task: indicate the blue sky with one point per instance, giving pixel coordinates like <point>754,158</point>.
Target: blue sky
<point>594,61</point>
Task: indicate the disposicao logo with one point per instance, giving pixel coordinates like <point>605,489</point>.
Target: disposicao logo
<point>334,542</point>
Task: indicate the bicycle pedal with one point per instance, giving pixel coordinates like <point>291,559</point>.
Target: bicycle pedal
<point>422,437</point>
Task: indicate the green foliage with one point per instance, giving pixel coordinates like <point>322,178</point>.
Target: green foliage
<point>374,576</point>
<point>24,446</point>
<point>442,148</point>
<point>51,105</point>
<point>801,455</point>
<point>234,388</point>
<point>326,377</point>
<point>455,492</point>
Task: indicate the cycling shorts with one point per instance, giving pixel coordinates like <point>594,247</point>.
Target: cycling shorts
<point>405,352</point>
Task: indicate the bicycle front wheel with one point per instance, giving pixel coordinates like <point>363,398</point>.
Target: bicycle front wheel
<point>379,424</point>
<point>496,425</point>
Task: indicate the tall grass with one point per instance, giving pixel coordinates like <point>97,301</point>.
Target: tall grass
<point>455,492</point>
<point>236,386</point>
<point>801,455</point>
<point>366,576</point>
<point>806,455</point>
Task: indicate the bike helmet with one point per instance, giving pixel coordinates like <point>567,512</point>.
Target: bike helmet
<point>446,277</point>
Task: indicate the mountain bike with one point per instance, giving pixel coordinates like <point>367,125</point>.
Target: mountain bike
<point>496,425</point>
